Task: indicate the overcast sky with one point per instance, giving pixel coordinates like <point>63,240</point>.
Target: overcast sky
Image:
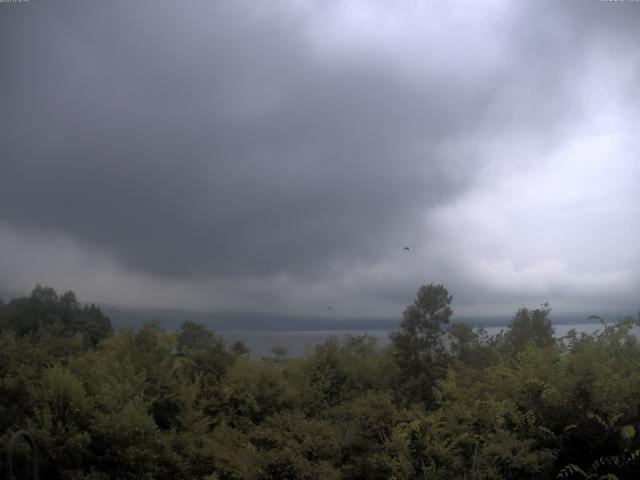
<point>278,156</point>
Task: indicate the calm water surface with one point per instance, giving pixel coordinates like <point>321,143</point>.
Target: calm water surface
<point>299,342</point>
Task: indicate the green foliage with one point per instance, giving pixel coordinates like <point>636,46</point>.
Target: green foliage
<point>530,327</point>
<point>469,346</point>
<point>419,346</point>
<point>438,404</point>
<point>194,336</point>
<point>254,392</point>
<point>342,369</point>
<point>45,313</point>
<point>292,447</point>
<point>365,425</point>
<point>280,352</point>
<point>240,348</point>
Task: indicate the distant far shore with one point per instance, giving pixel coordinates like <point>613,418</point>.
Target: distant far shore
<point>263,322</point>
<point>299,342</point>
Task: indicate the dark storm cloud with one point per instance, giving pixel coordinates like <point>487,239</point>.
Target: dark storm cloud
<point>225,140</point>
<point>158,147</point>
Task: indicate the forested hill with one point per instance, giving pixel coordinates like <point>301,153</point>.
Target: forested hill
<point>442,401</point>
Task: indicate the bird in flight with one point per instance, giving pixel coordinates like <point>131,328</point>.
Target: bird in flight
<point>406,248</point>
<point>329,307</point>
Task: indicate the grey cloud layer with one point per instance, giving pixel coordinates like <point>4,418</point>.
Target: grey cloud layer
<point>222,141</point>
<point>164,158</point>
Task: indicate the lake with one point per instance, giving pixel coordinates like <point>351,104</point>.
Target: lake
<point>299,342</point>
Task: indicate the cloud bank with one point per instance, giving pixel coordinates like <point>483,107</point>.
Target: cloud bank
<point>241,155</point>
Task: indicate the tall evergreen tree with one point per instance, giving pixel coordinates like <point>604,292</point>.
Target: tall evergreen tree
<point>419,346</point>
<point>531,326</point>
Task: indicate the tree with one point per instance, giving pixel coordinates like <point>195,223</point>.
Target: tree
<point>255,391</point>
<point>280,353</point>
<point>194,336</point>
<point>531,326</point>
<point>290,446</point>
<point>94,324</point>
<point>44,313</point>
<point>240,348</point>
<point>207,360</point>
<point>419,349</point>
<point>469,346</point>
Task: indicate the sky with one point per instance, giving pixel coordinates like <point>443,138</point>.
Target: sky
<point>278,157</point>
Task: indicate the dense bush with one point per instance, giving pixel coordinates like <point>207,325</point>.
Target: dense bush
<point>442,401</point>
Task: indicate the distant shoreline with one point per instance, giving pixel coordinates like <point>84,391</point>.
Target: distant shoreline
<point>263,322</point>
<point>299,342</point>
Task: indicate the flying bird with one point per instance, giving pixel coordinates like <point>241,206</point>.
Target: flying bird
<point>329,307</point>
<point>406,248</point>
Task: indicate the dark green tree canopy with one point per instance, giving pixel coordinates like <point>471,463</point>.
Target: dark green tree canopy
<point>438,402</point>
<point>422,327</point>
<point>44,312</point>
<point>531,326</point>
<point>194,336</point>
<point>240,348</point>
<point>419,346</point>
